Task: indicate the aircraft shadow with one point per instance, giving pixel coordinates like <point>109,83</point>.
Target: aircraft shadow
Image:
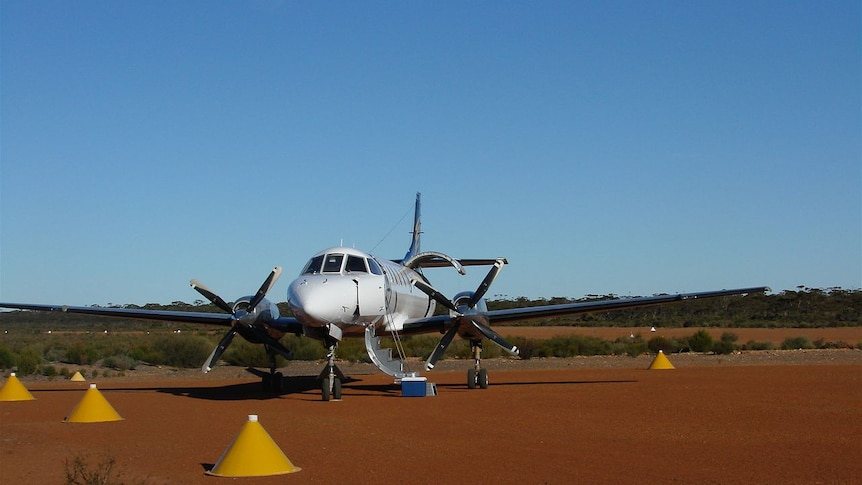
<point>291,385</point>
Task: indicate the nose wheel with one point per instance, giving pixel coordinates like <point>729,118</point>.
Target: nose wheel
<point>478,375</point>
<point>331,388</point>
<point>330,377</point>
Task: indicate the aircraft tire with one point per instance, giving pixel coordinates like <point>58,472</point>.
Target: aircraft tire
<point>471,379</point>
<point>336,389</point>
<point>324,384</point>
<point>277,384</point>
<point>482,379</point>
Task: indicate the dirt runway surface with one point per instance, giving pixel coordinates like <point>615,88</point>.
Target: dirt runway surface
<point>748,418</point>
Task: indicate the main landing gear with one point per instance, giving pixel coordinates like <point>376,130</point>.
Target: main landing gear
<point>274,381</point>
<point>477,376</point>
<point>331,377</point>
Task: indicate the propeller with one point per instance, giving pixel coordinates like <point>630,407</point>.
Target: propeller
<point>237,313</point>
<point>465,315</point>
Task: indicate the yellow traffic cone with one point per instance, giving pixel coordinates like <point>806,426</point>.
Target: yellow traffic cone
<point>660,362</point>
<point>77,377</point>
<point>13,390</point>
<point>93,408</point>
<point>253,453</point>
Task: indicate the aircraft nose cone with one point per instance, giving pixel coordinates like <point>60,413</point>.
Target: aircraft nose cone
<point>322,299</point>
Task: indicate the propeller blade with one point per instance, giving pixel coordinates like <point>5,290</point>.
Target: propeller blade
<point>441,347</point>
<point>265,287</point>
<point>209,295</point>
<point>216,353</point>
<point>434,294</point>
<point>486,283</point>
<point>496,338</point>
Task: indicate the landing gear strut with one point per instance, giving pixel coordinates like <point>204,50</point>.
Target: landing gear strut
<point>477,376</point>
<point>330,377</point>
<point>274,381</point>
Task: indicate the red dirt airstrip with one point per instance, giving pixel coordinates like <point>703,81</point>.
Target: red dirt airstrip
<point>762,417</point>
<point>755,417</point>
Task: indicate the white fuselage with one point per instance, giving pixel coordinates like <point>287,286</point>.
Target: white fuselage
<point>352,289</point>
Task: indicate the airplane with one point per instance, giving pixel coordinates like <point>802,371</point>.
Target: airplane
<point>344,292</point>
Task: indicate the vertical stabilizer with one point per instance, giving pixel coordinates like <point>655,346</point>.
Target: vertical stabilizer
<point>417,230</point>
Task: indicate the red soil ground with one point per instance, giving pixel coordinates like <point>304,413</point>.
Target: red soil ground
<point>745,418</point>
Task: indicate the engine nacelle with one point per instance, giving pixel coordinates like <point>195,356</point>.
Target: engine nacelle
<point>462,299</point>
<point>265,311</point>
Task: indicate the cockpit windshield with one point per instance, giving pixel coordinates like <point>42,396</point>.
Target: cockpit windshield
<point>332,263</point>
<point>313,265</point>
<point>355,264</point>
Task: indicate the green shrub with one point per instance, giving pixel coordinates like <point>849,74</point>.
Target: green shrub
<point>186,351</point>
<point>81,353</point>
<point>120,362</point>
<point>752,345</point>
<point>7,358</point>
<point>49,370</point>
<point>793,343</point>
<point>729,337</point>
<point>701,341</point>
<point>28,361</point>
<point>245,354</point>
<point>662,343</point>
<point>723,347</point>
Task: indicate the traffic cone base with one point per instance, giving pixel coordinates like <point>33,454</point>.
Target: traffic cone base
<point>13,390</point>
<point>253,453</point>
<point>93,408</point>
<point>661,362</point>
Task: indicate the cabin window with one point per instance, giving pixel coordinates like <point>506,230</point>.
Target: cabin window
<point>355,264</point>
<point>332,263</point>
<point>313,265</point>
<point>375,268</point>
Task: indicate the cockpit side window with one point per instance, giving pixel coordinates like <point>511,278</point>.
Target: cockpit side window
<point>355,264</point>
<point>332,263</point>
<point>313,265</point>
<point>374,267</point>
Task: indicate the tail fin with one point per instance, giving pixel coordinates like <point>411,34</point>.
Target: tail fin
<point>417,230</point>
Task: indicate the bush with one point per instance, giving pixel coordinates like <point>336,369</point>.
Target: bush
<point>701,341</point>
<point>28,361</point>
<point>80,472</point>
<point>186,351</point>
<point>245,354</point>
<point>81,354</point>
<point>752,345</point>
<point>662,343</point>
<point>793,343</point>
<point>7,358</point>
<point>120,362</point>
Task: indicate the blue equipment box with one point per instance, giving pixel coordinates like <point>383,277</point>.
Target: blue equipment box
<point>414,386</point>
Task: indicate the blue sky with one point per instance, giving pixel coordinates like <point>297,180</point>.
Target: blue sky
<point>618,147</point>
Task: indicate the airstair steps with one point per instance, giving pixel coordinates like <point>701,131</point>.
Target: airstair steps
<point>382,357</point>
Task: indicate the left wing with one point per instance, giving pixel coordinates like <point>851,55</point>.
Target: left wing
<point>287,325</point>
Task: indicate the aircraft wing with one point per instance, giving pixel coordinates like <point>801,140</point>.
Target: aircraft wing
<point>548,311</point>
<point>440,322</point>
<point>285,324</point>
